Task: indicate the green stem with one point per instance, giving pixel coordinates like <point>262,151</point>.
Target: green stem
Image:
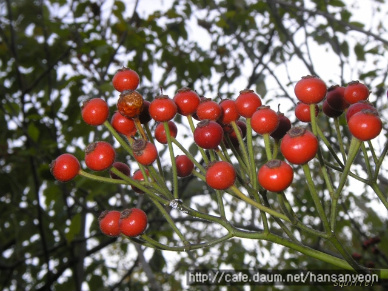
<point>243,149</point>
<point>380,194</point>
<point>267,143</point>
<point>140,186</point>
<point>329,147</point>
<point>171,222</point>
<point>220,202</point>
<point>117,136</point>
<point>313,119</point>
<point>158,245</point>
<point>316,199</point>
<point>102,179</point>
<point>310,252</point>
<point>251,154</point>
<point>380,161</point>
<point>187,153</point>
<point>339,138</point>
<point>172,158</point>
<point>152,140</point>
<point>268,210</point>
<point>366,159</point>
<point>353,150</point>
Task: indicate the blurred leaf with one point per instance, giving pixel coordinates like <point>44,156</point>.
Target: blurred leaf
<point>74,228</point>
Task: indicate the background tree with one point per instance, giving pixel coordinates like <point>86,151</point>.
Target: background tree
<point>56,54</point>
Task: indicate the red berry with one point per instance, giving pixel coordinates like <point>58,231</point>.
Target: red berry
<point>229,111</point>
<point>130,103</point>
<point>208,109</point>
<point>123,168</point>
<point>123,125</point>
<point>356,256</point>
<point>310,90</point>
<point>275,176</point>
<point>356,91</point>
<point>220,175</point>
<point>365,125</point>
<point>144,152</point>
<point>302,112</point>
<point>208,134</point>
<point>187,101</point>
<point>95,111</point>
<point>299,145</point>
<point>335,98</point>
<point>247,103</point>
<point>133,222</point>
<point>162,108</point>
<point>138,175</point>
<point>264,120</point>
<point>329,111</point>
<point>109,222</point>
<point>99,156</point>
<point>145,116</point>
<point>283,127</point>
<point>184,165</point>
<point>65,167</point>
<point>160,133</point>
<point>125,79</point>
<point>357,107</point>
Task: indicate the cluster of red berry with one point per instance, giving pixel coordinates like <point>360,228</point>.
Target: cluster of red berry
<point>219,126</point>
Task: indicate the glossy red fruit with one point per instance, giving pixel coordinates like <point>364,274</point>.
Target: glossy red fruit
<point>65,167</point>
<point>283,126</point>
<point>144,152</point>
<point>138,175</point>
<point>357,107</point>
<point>133,222</point>
<point>123,125</point>
<point>184,166</point>
<point>208,134</point>
<point>130,103</point>
<point>356,91</point>
<point>125,79</point>
<point>187,101</point>
<point>299,145</point>
<point>99,156</point>
<point>264,120</point>
<point>302,112</point>
<point>329,111</point>
<point>162,108</point>
<point>109,222</point>
<point>144,115</point>
<point>95,111</point>
<point>365,125</point>
<point>122,167</point>
<point>229,111</point>
<point>208,109</point>
<point>247,103</point>
<point>310,90</point>
<point>160,133</point>
<point>275,176</point>
<point>220,175</point>
<point>335,98</point>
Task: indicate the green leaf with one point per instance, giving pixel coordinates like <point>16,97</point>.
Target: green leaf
<point>33,132</point>
<point>74,228</point>
<point>359,51</point>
